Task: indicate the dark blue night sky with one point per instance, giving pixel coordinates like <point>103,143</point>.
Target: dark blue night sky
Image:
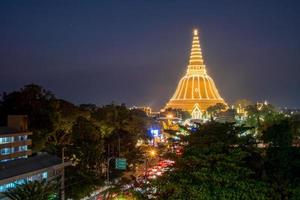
<point>136,51</point>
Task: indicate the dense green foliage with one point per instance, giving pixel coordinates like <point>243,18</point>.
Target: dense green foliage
<point>222,162</point>
<point>89,134</point>
<point>217,108</point>
<point>119,125</point>
<point>111,131</point>
<point>282,163</point>
<point>257,159</point>
<point>86,146</point>
<point>40,106</point>
<point>215,165</point>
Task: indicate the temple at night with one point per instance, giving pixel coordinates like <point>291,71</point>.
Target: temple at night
<point>196,91</point>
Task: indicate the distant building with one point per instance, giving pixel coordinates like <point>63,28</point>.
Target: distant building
<point>16,167</point>
<point>226,116</point>
<point>14,140</point>
<point>146,109</point>
<point>290,111</point>
<point>196,113</point>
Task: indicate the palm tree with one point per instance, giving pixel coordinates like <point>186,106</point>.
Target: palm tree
<point>33,190</point>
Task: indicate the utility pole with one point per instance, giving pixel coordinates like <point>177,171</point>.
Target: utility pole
<point>119,143</point>
<point>108,161</point>
<point>146,170</point>
<point>63,175</point>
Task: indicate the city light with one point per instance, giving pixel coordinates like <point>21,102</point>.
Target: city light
<point>195,32</point>
<point>154,132</point>
<point>170,116</point>
<point>95,118</point>
<point>152,153</point>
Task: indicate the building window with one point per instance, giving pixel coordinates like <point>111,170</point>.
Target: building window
<point>6,151</point>
<point>21,137</point>
<point>4,140</point>
<point>23,148</point>
<point>45,175</point>
<point>36,177</point>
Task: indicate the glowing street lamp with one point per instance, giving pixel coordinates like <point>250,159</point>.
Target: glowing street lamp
<point>152,153</point>
<point>169,116</point>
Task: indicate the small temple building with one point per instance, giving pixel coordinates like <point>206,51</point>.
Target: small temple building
<point>196,91</point>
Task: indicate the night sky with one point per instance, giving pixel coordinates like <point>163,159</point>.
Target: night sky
<point>135,52</point>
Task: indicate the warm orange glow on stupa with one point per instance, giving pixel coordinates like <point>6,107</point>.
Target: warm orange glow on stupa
<point>196,88</point>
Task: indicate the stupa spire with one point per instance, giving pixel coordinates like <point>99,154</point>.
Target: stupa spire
<point>196,90</point>
<point>196,64</point>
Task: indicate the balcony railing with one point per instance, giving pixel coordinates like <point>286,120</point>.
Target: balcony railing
<point>16,154</point>
<point>16,144</point>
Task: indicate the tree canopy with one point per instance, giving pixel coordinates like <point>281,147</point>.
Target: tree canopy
<point>39,105</point>
<point>213,110</point>
<point>88,133</point>
<point>222,161</point>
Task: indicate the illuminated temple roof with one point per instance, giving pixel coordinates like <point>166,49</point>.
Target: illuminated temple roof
<point>196,87</point>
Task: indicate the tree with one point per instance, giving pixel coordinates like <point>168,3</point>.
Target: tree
<point>119,124</point>
<point>213,110</point>
<point>88,107</point>
<point>80,184</point>
<point>222,162</point>
<point>95,139</point>
<point>39,190</point>
<point>87,146</point>
<point>86,150</point>
<point>278,134</point>
<point>57,141</point>
<point>60,138</point>
<point>261,115</point>
<point>242,103</point>
<point>39,105</point>
<point>281,160</point>
<point>218,163</point>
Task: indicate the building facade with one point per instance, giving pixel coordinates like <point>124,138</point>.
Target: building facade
<point>17,166</point>
<point>36,168</point>
<point>14,139</point>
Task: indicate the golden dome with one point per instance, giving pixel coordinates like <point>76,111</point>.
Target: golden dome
<point>196,87</point>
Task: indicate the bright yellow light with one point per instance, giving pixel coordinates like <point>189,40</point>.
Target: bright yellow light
<point>195,32</point>
<point>195,86</point>
<point>170,116</point>
<point>152,153</point>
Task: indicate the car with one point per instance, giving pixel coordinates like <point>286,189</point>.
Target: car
<point>153,170</point>
<point>159,173</point>
<point>152,177</point>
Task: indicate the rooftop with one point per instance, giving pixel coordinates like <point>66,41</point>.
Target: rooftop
<point>4,130</point>
<point>26,165</point>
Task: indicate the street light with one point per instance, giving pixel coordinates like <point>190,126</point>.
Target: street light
<point>170,116</point>
<point>152,154</point>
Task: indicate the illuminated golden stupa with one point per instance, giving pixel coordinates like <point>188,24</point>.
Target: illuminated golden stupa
<point>196,90</point>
